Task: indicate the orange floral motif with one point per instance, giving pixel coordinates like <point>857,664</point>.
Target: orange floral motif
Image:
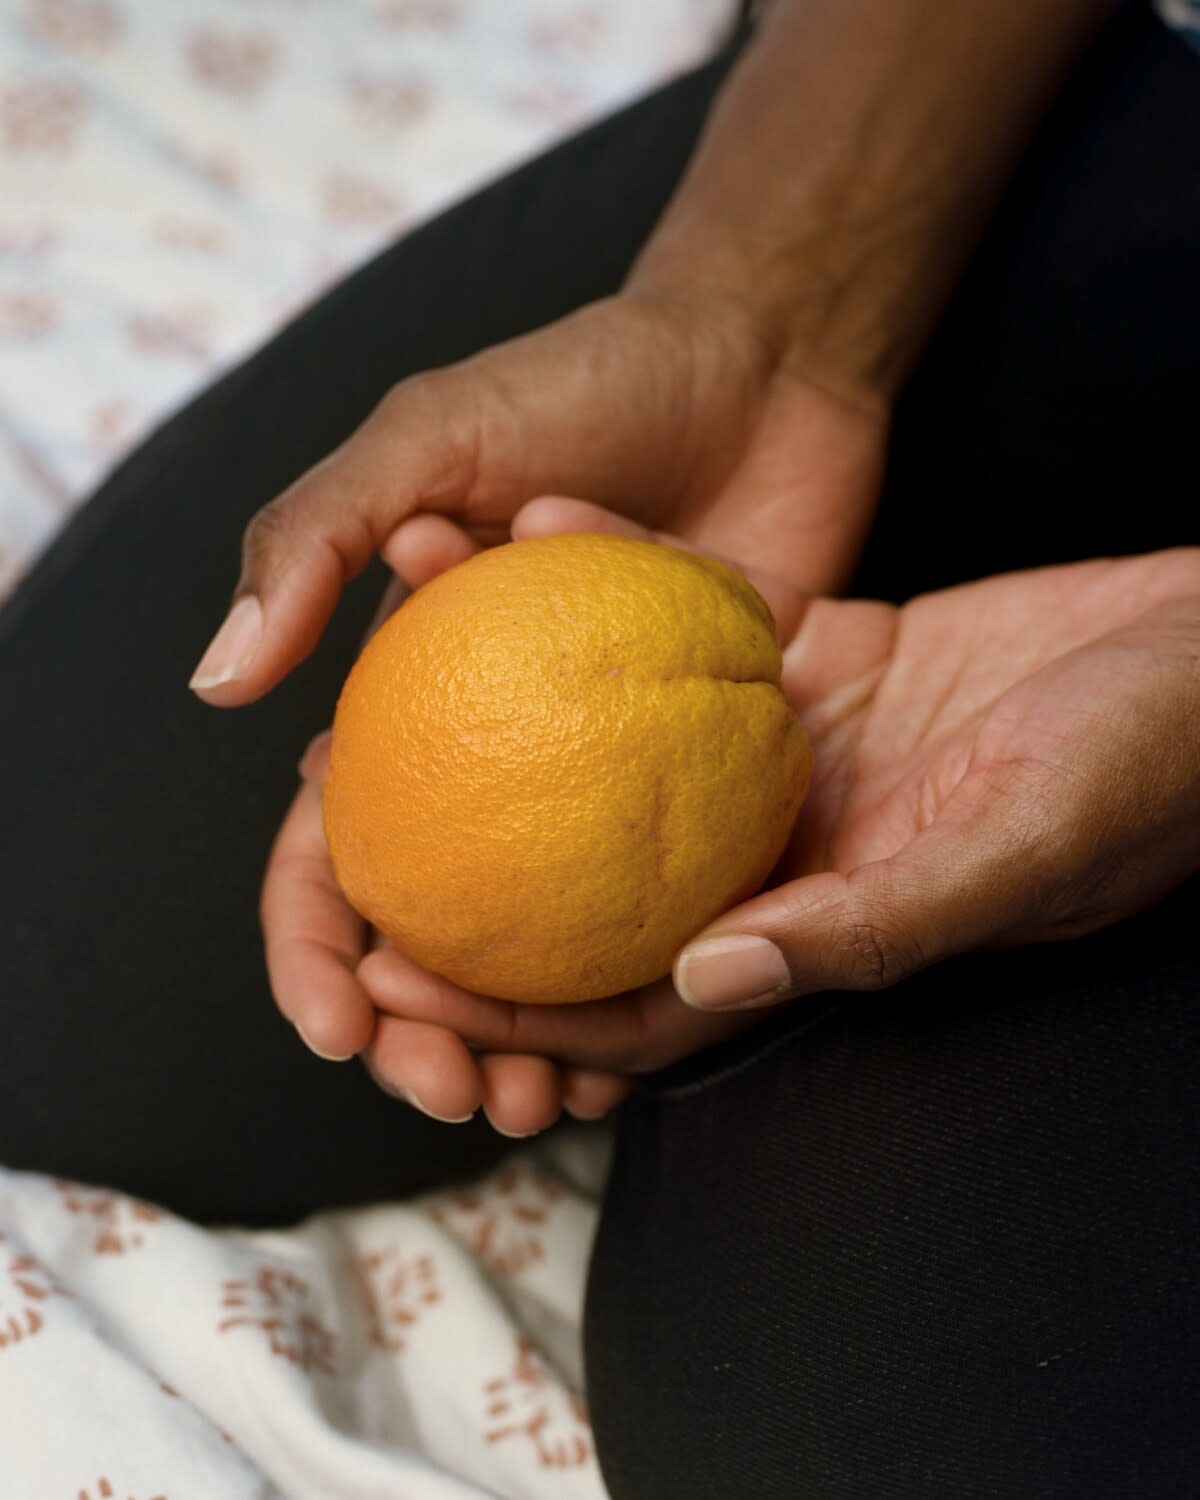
<point>80,25</point>
<point>24,1288</point>
<point>105,1491</point>
<point>526,1402</point>
<point>119,1222</point>
<point>27,315</point>
<point>577,30</point>
<point>220,168</point>
<point>396,1288</point>
<point>353,200</point>
<point>499,1220</point>
<point>111,427</point>
<point>41,114</point>
<point>181,331</point>
<point>438,14</point>
<point>188,234</point>
<point>394,99</point>
<point>234,62</point>
<point>548,102</point>
<point>35,240</point>
<point>276,1300</point>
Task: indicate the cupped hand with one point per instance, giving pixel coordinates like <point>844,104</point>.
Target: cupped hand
<point>680,415</point>
<point>1007,762</point>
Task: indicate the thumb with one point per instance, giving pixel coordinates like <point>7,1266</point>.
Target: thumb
<point>418,451</point>
<point>953,888</point>
<point>551,411</point>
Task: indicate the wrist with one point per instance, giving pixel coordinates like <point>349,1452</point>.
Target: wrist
<point>830,262</point>
<point>848,168</point>
<point>812,312</point>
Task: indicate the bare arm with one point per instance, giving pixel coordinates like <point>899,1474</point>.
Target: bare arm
<point>850,165</point>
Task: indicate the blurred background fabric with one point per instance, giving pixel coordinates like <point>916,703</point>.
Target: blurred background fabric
<point>178,179</point>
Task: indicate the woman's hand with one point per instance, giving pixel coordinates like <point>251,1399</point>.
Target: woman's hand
<point>1007,762</point>
<point>675,413</point>
<point>736,394</point>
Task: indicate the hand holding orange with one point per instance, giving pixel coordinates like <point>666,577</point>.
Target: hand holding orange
<point>560,760</point>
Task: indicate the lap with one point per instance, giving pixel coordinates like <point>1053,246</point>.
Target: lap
<point>934,1243</point>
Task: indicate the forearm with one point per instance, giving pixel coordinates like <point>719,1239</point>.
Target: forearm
<point>850,165</point>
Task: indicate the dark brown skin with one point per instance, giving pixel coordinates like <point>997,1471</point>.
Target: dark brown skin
<point>736,395</point>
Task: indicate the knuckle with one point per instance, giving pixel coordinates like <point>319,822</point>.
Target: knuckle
<point>871,961</point>
<point>393,405</point>
<point>434,424</point>
<point>264,537</point>
<point>408,397</point>
<point>876,951</point>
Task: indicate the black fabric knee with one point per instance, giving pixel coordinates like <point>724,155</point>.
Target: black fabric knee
<point>144,1051</point>
<point>934,1245</point>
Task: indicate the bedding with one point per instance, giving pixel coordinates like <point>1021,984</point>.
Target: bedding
<point>177,180</point>
<point>421,1350</point>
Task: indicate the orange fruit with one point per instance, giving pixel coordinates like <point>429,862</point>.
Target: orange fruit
<point>558,761</point>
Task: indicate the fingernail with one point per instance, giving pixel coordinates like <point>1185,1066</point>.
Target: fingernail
<point>316,750</point>
<point>513,1135</point>
<point>730,972</point>
<point>411,1098</point>
<point>233,647</point>
<point>325,1056</point>
<point>582,1114</point>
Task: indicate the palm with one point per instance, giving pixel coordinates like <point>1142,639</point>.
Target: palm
<point>933,697</point>
<point>990,708</point>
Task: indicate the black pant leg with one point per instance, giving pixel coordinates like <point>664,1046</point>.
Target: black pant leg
<point>142,1048</point>
<point>935,1245</point>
